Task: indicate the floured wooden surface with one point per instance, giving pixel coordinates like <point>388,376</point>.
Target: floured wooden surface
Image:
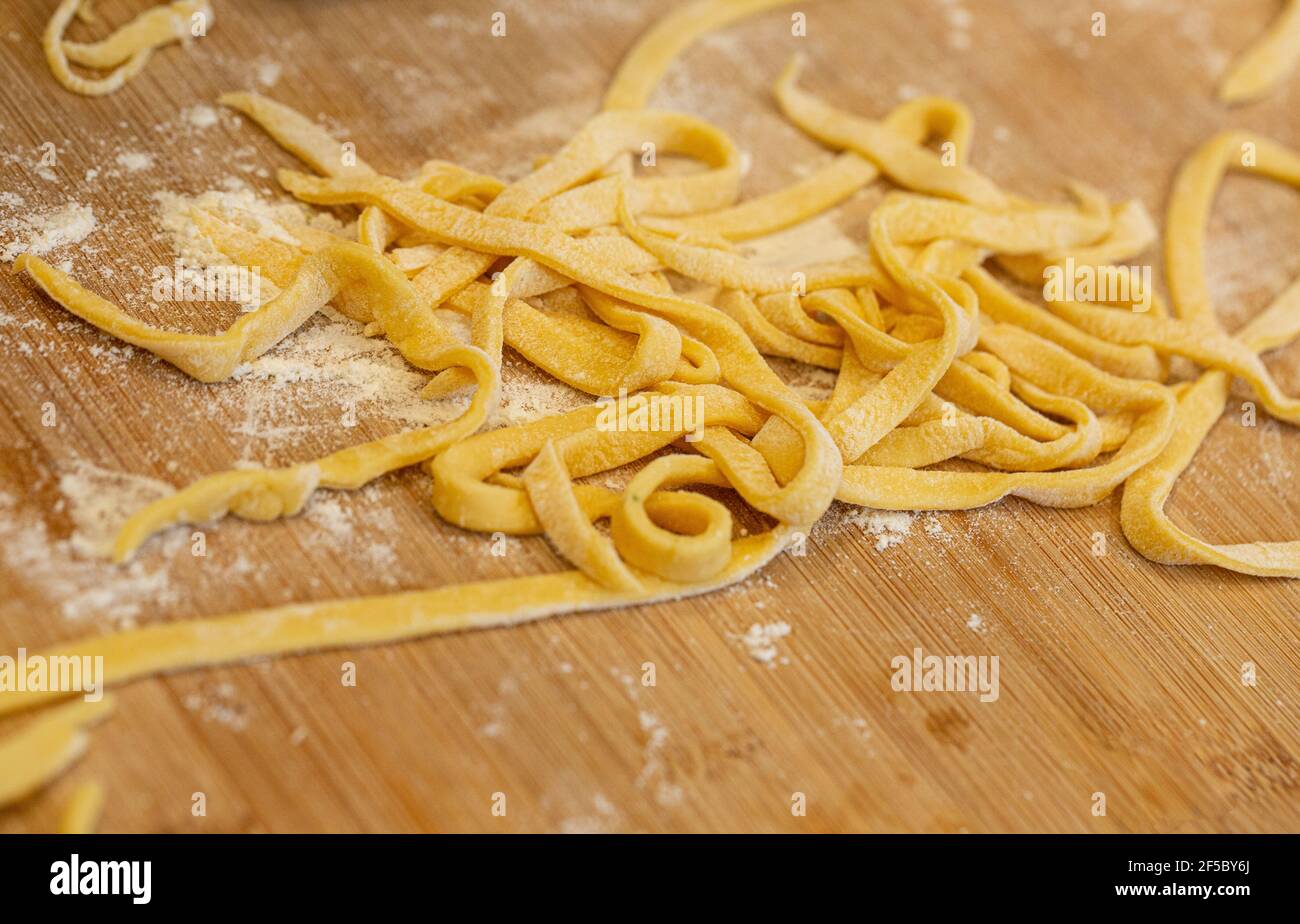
<point>1117,676</point>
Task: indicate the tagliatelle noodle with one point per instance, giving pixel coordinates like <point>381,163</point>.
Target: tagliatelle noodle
<point>1053,369</point>
<point>127,50</point>
<point>934,358</point>
<point>1196,335</point>
<point>1263,66</point>
<point>373,286</point>
<point>548,340</point>
<point>1201,404</point>
<point>81,814</point>
<point>47,746</point>
<point>466,488</point>
<point>899,159</point>
<point>648,61</point>
<point>375,620</point>
<point>550,493</point>
<point>1000,304</point>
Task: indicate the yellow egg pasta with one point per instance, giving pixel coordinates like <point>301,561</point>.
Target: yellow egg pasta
<point>123,54</point>
<point>951,391</point>
<point>81,814</point>
<point>1264,65</point>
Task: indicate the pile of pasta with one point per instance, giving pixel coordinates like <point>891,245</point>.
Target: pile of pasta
<point>936,360</point>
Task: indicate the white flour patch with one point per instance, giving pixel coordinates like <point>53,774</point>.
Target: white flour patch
<point>79,589</point>
<point>889,527</point>
<point>329,514</point>
<point>200,116</point>
<point>761,640</point>
<point>218,704</point>
<point>268,72</point>
<point>41,233</point>
<point>134,161</point>
<point>604,817</point>
<point>100,501</point>
<point>653,770</point>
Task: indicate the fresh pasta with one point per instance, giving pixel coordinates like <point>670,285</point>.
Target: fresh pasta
<point>935,359</point>
<point>1264,65</point>
<point>123,54</point>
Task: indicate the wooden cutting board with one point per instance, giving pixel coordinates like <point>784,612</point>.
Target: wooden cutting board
<point>1117,676</point>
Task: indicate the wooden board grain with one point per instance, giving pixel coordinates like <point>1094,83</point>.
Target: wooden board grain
<point>1117,676</point>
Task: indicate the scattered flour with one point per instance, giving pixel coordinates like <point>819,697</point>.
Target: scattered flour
<point>889,527</point>
<point>268,72</point>
<point>218,704</point>
<point>134,161</point>
<point>329,514</point>
<point>200,116</point>
<point>99,501</point>
<point>934,528</point>
<point>653,769</point>
<point>77,588</point>
<point>41,233</point>
<point>605,817</point>
<point>761,642</point>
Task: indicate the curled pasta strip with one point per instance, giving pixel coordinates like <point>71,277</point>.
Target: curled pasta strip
<point>551,496</point>
<point>1267,62</point>
<point>961,383</point>
<point>900,160</point>
<point>771,340</point>
<point>787,311</point>
<point>915,120</point>
<point>1142,514</point>
<point>877,408</point>
<point>1054,370</point>
<point>127,50</point>
<point>1148,527</point>
<point>698,547</point>
<point>466,488</point>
